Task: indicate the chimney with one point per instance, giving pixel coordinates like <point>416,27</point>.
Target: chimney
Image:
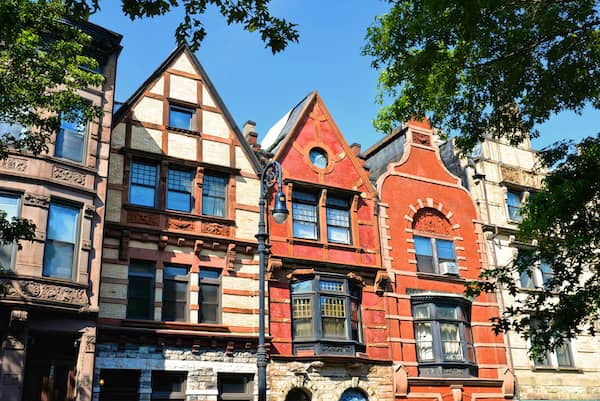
<point>250,134</point>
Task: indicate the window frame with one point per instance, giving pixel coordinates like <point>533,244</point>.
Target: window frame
<point>248,395</point>
<point>84,134</point>
<point>314,205</point>
<point>212,282</point>
<point>182,109</point>
<point>329,206</point>
<point>512,210</point>
<point>439,365</point>
<point>14,248</point>
<point>151,275</point>
<point>168,190</point>
<point>177,278</point>
<point>76,243</point>
<point>168,395</point>
<point>206,195</point>
<point>133,185</point>
<point>312,289</point>
<point>538,277</point>
<point>433,244</point>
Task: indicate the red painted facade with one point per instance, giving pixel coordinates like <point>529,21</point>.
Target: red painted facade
<point>424,205</point>
<point>295,258</point>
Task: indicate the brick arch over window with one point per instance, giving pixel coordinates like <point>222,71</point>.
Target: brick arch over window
<point>432,221</point>
<point>420,207</point>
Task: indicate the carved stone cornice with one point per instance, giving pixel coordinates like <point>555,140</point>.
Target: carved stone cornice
<point>37,290</point>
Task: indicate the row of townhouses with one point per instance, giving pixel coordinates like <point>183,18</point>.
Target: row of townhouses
<point>143,279</point>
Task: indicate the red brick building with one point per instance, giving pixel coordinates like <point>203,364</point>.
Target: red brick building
<point>327,316</point>
<point>442,343</point>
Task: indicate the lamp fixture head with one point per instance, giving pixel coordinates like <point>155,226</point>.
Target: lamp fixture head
<point>280,212</point>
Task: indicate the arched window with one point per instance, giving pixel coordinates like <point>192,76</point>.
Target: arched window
<point>297,394</point>
<point>434,245</point>
<point>353,394</point>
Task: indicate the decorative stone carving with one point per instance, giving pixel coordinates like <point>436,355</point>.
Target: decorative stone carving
<point>215,228</point>
<point>457,392</point>
<point>421,139</point>
<point>198,247</point>
<point>33,290</point>
<point>90,344</point>
<point>143,218</point>
<point>508,384</point>
<point>400,381</point>
<point>13,163</point>
<point>89,211</point>
<point>382,280</point>
<point>520,177</point>
<point>36,200</point>
<point>70,176</point>
<point>163,241</point>
<point>86,244</point>
<point>230,258</point>
<point>179,224</point>
<point>430,220</point>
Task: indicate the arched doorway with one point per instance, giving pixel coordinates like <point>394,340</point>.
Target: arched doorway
<point>297,394</point>
<point>353,394</point>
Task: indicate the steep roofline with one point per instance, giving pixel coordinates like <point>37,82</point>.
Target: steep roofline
<point>126,106</point>
<point>384,141</point>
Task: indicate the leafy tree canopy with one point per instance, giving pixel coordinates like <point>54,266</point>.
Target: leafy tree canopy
<point>253,15</point>
<point>489,67</point>
<point>496,68</point>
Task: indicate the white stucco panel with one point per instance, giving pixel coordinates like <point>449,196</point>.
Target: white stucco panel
<point>183,63</point>
<point>159,87</point>
<point>147,139</point>
<point>207,99</point>
<point>247,190</point>
<point>182,146</point>
<point>149,110</point>
<point>215,153</point>
<point>183,88</point>
<point>241,160</point>
<point>247,224</point>
<point>214,124</point>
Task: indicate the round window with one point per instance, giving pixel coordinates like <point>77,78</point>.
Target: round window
<point>318,157</point>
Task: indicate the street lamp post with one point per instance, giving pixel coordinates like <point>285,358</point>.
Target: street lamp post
<point>270,175</point>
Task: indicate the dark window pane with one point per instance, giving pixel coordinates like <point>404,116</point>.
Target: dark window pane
<point>175,286</point>
<point>302,314</point>
<point>179,193</point>
<point>513,200</point>
<point>425,264</point>
<point>143,184</point>
<point>304,215</point>
<point>9,204</point>
<point>547,273</point>
<point>563,355</point>
<point>70,139</point>
<point>206,273</point>
<point>62,234</point>
<point>181,117</point>
<point>526,279</point>
<point>213,195</point>
<point>233,384</point>
<point>445,250</point>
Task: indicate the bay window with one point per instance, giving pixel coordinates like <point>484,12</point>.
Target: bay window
<point>443,337</point>
<point>326,314</point>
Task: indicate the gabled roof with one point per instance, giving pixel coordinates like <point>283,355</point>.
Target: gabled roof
<point>278,132</point>
<point>181,49</point>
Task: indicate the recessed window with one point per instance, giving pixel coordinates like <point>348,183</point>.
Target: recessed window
<point>209,295</point>
<point>140,291</point>
<point>514,202</point>
<point>70,140</point>
<point>168,385</point>
<point>181,117</point>
<point>304,215</point>
<point>561,357</point>
<point>326,309</point>
<point>179,190</point>
<point>175,293</point>
<point>9,204</point>
<point>144,179</point>
<point>318,157</point>
<point>432,252</point>
<point>235,387</point>
<point>214,191</point>
<point>338,220</point>
<point>443,337</point>
<point>537,276</point>
<point>62,237</point>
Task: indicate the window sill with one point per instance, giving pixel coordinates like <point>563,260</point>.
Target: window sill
<point>314,347</point>
<point>183,130</point>
<point>316,242</point>
<point>440,277</point>
<point>155,324</point>
<point>554,369</point>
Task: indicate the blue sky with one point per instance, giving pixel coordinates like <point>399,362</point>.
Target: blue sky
<point>256,85</point>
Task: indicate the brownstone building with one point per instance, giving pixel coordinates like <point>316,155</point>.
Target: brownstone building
<point>179,294</point>
<point>47,317</point>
